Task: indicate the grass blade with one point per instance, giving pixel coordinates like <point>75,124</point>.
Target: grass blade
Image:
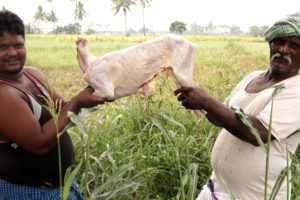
<point>278,183</point>
<point>246,121</point>
<point>116,176</point>
<point>68,179</point>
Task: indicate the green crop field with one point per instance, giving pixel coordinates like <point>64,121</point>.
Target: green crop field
<point>137,148</point>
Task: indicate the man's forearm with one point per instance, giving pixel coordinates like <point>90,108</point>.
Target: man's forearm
<point>222,116</point>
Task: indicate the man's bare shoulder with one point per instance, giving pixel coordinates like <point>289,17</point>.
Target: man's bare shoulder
<point>14,107</point>
<point>37,73</point>
<point>10,93</point>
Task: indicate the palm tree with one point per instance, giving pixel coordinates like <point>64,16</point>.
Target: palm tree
<point>79,12</point>
<point>125,6</point>
<point>52,16</point>
<point>143,5</point>
<point>39,15</point>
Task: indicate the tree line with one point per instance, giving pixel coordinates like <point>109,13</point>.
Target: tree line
<point>42,16</point>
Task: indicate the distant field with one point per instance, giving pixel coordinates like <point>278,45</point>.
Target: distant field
<point>154,149</point>
<point>217,57</point>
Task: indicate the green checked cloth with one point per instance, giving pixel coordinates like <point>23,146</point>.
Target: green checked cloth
<point>290,26</point>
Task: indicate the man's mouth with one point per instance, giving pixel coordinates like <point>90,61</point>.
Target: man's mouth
<point>12,61</point>
<point>281,58</point>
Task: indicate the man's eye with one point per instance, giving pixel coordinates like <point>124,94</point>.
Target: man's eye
<point>3,47</point>
<point>19,46</point>
<point>295,46</point>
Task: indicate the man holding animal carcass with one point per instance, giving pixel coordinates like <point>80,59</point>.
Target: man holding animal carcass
<point>29,165</point>
<point>269,100</point>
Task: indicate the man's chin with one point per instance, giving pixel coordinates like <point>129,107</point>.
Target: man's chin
<point>14,72</point>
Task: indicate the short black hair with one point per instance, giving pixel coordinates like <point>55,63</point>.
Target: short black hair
<point>11,23</point>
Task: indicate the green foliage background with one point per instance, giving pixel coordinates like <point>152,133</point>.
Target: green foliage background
<point>136,148</point>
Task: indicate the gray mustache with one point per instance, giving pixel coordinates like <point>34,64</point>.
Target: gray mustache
<point>279,55</point>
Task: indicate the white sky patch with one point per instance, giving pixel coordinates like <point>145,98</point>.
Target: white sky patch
<point>161,13</point>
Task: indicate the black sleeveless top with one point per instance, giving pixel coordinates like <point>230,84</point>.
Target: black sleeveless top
<point>21,167</point>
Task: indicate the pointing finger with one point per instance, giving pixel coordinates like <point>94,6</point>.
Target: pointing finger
<point>181,97</point>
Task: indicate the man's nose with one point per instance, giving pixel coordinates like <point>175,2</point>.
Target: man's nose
<point>12,51</point>
<point>284,48</point>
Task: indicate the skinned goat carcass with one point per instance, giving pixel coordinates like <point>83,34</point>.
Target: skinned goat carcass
<point>124,72</point>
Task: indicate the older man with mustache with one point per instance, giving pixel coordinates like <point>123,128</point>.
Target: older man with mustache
<point>237,157</point>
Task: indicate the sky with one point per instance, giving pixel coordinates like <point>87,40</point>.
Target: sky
<point>161,13</point>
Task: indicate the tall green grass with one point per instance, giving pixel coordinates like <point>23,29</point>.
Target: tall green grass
<point>134,148</point>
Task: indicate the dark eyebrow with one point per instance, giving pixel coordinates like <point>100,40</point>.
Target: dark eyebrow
<point>20,43</point>
<point>295,40</point>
